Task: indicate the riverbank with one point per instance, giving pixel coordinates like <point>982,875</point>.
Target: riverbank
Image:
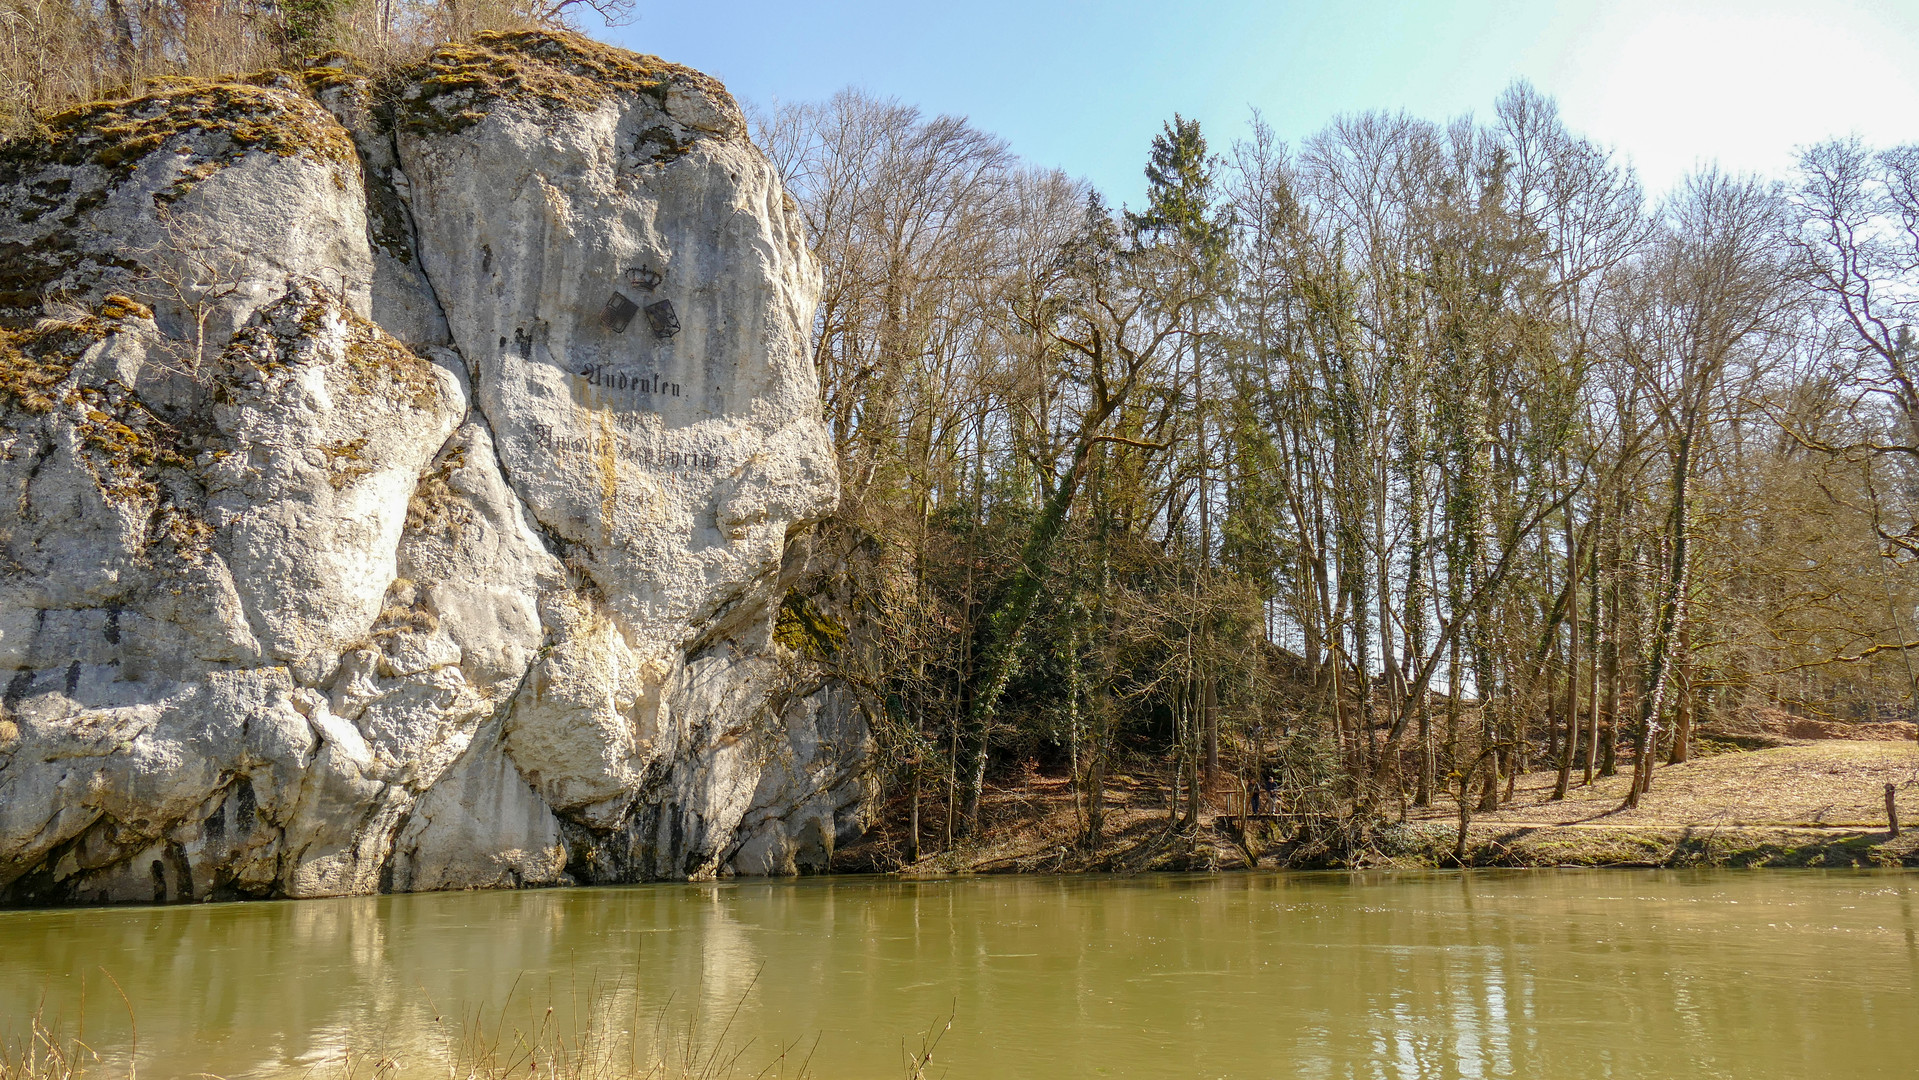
<point>1813,803</point>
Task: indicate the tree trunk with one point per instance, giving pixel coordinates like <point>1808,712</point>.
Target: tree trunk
<point>1570,744</point>
<point>1423,794</point>
<point>1682,700</point>
<point>1006,623</point>
<point>1489,734</point>
<point>952,785</point>
<point>1465,818</point>
<point>123,46</point>
<point>1609,748</point>
<point>1208,714</point>
<point>1452,711</point>
<point>1209,708</point>
<point>1672,618</point>
<point>1592,664</point>
<point>913,841</point>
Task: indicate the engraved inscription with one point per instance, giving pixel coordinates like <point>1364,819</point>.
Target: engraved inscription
<point>639,455</point>
<point>606,376</point>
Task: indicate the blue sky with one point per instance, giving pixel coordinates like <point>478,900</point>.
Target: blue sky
<point>1084,86</point>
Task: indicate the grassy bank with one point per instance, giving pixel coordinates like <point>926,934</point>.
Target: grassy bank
<point>1809,804</point>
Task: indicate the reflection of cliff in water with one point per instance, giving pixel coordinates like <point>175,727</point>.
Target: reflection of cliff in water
<point>1648,975</point>
<point>253,989</point>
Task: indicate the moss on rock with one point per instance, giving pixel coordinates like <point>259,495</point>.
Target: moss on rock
<point>435,508</point>
<point>807,630</point>
<point>376,362</point>
<point>53,178</point>
<point>35,360</point>
<point>379,361</point>
<point>126,444</point>
<point>346,462</point>
<point>455,87</point>
<point>264,112</point>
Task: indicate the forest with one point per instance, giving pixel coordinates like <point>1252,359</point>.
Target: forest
<point>1373,469</point>
<point>1385,466</point>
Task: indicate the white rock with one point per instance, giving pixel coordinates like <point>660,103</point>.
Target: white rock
<point>327,423</point>
<point>480,827</point>
<point>390,549</point>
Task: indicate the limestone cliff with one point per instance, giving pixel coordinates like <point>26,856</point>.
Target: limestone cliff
<point>400,482</point>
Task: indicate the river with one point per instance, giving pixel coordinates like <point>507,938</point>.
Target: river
<point>1746,974</point>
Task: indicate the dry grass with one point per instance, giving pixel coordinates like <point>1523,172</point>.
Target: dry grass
<point>56,53</point>
<point>1826,783</point>
<point>43,1054</point>
<point>594,1033</point>
<point>589,1036</point>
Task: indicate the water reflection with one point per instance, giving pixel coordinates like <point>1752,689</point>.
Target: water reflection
<point>1393,976</point>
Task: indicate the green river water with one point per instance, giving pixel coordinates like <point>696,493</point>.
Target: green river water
<point>1746,974</point>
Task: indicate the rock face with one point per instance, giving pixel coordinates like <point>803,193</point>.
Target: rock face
<point>402,481</point>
